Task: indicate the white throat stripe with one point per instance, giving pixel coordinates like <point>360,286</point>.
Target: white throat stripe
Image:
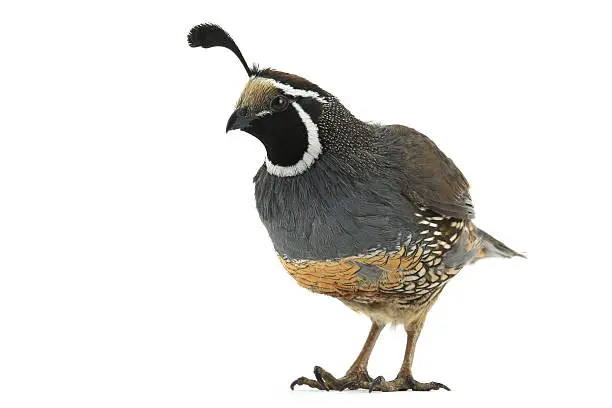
<point>310,155</point>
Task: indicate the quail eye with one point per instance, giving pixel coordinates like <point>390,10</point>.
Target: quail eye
<point>279,103</point>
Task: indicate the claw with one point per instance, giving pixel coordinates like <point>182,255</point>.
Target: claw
<point>326,381</point>
<point>299,381</point>
<point>378,380</point>
<point>440,385</point>
<point>308,382</point>
<point>319,376</point>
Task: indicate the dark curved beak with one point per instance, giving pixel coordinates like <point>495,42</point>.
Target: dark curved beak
<point>240,119</point>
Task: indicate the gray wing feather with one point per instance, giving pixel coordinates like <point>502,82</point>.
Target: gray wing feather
<point>434,181</point>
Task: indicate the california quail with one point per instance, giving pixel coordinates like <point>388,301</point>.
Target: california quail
<point>375,216</point>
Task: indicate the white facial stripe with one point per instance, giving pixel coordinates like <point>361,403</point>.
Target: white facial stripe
<point>310,155</point>
<point>289,90</point>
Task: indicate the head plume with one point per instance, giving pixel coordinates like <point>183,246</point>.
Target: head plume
<point>211,35</point>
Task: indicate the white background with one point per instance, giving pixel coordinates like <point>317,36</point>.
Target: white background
<point>134,270</point>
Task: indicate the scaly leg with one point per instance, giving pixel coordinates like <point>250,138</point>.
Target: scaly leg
<point>356,377</point>
<point>404,380</point>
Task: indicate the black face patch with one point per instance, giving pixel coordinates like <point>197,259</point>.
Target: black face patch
<point>284,136</point>
<point>312,107</point>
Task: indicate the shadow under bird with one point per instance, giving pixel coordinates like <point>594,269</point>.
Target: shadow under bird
<point>375,216</point>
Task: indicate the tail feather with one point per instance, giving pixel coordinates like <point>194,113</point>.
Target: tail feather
<point>492,247</point>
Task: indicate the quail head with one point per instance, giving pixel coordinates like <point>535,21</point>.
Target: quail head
<point>373,215</point>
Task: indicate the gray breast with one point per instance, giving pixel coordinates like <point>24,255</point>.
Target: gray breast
<point>334,210</point>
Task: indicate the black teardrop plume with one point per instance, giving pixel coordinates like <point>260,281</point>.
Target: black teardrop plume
<point>211,35</point>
